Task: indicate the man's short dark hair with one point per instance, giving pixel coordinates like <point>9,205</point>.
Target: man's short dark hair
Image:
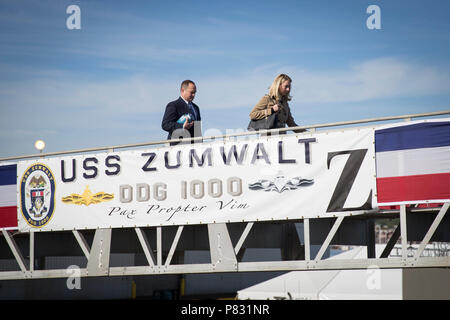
<point>186,83</point>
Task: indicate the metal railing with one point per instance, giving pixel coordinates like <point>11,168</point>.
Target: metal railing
<point>406,117</point>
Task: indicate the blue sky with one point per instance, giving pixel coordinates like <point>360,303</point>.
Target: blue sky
<point>109,82</point>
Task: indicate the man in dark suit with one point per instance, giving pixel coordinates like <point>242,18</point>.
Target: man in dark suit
<point>182,106</point>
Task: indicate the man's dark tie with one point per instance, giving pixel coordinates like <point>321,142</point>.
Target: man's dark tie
<point>191,108</point>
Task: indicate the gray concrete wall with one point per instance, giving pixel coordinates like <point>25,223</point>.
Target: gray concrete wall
<point>426,283</point>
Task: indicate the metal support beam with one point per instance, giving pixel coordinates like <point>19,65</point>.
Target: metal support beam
<point>98,262</point>
<point>403,231</point>
<point>31,255</point>
<point>244,235</point>
<point>391,243</point>
<point>432,229</point>
<point>15,250</point>
<point>370,238</point>
<point>223,257</point>
<point>158,246</point>
<point>306,236</point>
<point>330,236</point>
<point>296,265</point>
<point>341,264</point>
<point>174,245</point>
<point>82,242</point>
<point>145,246</point>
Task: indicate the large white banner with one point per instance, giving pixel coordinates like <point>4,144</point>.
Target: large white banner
<point>270,178</point>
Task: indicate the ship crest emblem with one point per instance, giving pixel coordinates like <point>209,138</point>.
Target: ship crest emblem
<point>37,195</point>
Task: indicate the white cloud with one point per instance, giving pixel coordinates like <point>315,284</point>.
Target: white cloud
<point>373,79</point>
<point>369,80</point>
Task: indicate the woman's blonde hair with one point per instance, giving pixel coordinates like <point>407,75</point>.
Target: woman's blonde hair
<point>273,90</point>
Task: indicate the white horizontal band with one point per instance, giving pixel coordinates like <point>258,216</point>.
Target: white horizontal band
<point>8,195</point>
<point>413,162</point>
